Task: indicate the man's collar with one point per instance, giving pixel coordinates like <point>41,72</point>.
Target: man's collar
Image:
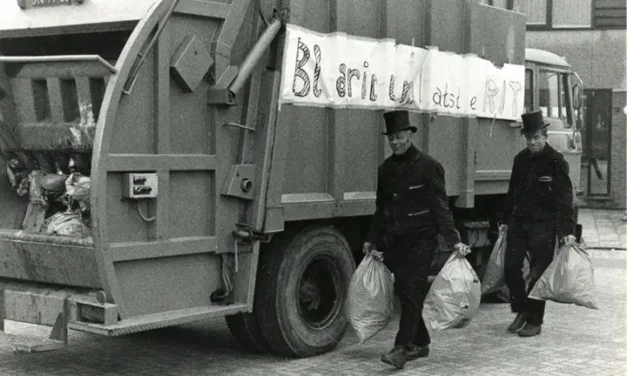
<point>545,150</point>
<point>410,154</point>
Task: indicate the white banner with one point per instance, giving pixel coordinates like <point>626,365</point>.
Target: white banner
<point>344,71</point>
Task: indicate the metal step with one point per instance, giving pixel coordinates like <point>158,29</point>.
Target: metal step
<point>34,344</point>
<point>31,344</point>
<point>158,320</point>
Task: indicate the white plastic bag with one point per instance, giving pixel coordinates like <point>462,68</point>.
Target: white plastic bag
<point>78,190</point>
<point>67,224</point>
<point>494,277</point>
<point>370,303</point>
<point>568,279</point>
<point>454,296</point>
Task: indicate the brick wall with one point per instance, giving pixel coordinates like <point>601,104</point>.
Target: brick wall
<point>618,173</point>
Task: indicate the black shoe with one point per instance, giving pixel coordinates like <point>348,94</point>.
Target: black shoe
<point>415,352</point>
<point>518,322</point>
<point>530,330</point>
<point>397,357</point>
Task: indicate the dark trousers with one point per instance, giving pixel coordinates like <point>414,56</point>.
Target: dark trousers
<point>409,257</point>
<point>538,240</point>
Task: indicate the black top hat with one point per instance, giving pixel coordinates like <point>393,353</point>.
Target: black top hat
<point>396,121</point>
<point>533,121</point>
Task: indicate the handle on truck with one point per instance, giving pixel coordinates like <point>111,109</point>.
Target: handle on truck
<point>132,76</point>
<point>57,59</point>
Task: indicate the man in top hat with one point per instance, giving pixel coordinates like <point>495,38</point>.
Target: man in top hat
<point>538,208</point>
<point>411,209</point>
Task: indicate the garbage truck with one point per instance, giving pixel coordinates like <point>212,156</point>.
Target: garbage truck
<point>150,176</point>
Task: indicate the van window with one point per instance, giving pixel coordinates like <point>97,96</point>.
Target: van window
<point>552,96</point>
<point>528,90</point>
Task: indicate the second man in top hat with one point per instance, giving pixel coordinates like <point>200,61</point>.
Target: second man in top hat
<point>411,209</point>
<point>538,208</point>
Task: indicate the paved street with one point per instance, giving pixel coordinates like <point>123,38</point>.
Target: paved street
<point>603,228</point>
<point>574,341</point>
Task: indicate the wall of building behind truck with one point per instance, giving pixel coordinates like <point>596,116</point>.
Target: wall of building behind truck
<point>598,56</point>
<point>618,169</point>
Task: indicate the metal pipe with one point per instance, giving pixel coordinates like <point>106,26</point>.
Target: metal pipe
<point>239,126</point>
<point>255,55</point>
<point>57,59</point>
<point>132,76</point>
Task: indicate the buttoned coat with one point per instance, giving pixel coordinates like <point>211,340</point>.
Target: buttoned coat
<point>411,196</point>
<point>540,190</point>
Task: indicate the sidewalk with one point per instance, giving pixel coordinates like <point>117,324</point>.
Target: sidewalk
<point>603,229</point>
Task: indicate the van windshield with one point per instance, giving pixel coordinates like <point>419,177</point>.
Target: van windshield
<point>553,96</point>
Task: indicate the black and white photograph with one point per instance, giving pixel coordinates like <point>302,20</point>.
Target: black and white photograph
<point>313,187</point>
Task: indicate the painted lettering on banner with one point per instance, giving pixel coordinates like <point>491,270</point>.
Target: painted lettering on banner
<point>342,71</point>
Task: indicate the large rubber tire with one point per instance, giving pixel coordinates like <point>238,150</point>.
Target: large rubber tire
<point>302,290</point>
<point>244,326</point>
<point>246,331</point>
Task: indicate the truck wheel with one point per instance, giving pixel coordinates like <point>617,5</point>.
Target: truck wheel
<point>246,331</point>
<point>244,326</point>
<point>303,286</point>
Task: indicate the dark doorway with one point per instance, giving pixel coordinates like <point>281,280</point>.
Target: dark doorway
<point>597,140</point>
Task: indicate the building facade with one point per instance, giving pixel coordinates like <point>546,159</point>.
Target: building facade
<point>592,36</point>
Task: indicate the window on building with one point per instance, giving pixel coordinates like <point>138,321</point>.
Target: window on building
<point>537,12</point>
<point>564,14</point>
<point>514,5</point>
<point>572,13</point>
<point>610,13</point>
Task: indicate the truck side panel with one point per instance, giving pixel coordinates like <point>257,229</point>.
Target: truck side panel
<point>497,142</point>
<point>321,177</point>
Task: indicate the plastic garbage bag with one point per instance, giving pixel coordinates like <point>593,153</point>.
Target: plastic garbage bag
<point>77,194</point>
<point>494,277</point>
<point>42,187</point>
<point>16,171</point>
<point>454,296</point>
<point>568,279</point>
<point>370,303</point>
<point>67,224</point>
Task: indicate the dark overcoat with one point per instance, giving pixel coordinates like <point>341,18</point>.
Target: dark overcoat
<point>540,190</point>
<point>411,196</point>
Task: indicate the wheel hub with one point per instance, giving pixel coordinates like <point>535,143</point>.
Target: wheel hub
<point>319,292</point>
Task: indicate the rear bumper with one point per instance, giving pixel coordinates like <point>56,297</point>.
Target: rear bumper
<point>37,258</point>
<point>42,304</point>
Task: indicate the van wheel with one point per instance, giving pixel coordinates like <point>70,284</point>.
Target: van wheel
<point>303,286</point>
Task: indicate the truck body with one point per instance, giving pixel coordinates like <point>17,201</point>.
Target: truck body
<point>207,199</point>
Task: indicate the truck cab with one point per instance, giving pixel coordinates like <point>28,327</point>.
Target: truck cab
<point>553,87</point>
